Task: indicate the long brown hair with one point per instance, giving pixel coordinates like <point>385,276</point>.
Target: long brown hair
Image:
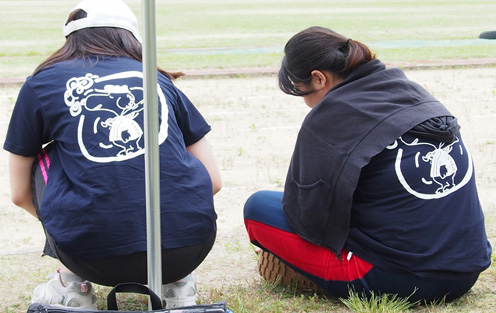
<point>98,42</point>
<point>319,48</point>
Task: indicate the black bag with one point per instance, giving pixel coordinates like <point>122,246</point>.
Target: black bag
<point>156,303</point>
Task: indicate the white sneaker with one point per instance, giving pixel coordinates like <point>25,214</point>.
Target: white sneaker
<point>180,293</point>
<point>76,295</point>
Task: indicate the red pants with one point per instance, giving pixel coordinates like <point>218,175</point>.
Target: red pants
<point>305,256</point>
<point>268,228</point>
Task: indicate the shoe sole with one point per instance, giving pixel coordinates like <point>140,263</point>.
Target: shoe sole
<point>273,270</point>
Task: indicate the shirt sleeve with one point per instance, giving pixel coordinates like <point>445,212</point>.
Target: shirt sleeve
<point>26,128</point>
<point>192,124</point>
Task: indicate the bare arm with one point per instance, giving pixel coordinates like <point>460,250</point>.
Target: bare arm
<point>201,150</point>
<point>20,182</point>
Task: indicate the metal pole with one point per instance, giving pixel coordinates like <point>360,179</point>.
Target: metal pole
<point>152,164</point>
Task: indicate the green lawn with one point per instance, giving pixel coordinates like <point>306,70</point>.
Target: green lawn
<point>236,34</point>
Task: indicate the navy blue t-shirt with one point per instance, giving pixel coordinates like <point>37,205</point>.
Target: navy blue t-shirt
<point>94,203</point>
<point>416,209</point>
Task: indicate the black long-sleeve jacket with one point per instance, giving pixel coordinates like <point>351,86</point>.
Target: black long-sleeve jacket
<point>355,121</point>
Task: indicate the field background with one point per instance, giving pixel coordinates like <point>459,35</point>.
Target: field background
<point>255,125</point>
<point>222,34</point>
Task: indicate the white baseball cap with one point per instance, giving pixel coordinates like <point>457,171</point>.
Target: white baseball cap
<point>104,13</point>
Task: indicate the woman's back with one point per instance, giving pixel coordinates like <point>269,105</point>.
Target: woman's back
<point>93,113</point>
<point>416,208</point>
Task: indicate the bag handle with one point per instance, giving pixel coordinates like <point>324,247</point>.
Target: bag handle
<point>133,288</point>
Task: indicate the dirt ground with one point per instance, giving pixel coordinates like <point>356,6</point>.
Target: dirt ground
<point>254,130</point>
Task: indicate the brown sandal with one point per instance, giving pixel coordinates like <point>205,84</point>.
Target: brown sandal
<point>274,270</point>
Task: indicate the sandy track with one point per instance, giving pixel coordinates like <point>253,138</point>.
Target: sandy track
<point>254,130</point>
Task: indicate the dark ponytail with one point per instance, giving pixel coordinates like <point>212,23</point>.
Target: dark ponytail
<point>319,48</point>
<point>358,54</point>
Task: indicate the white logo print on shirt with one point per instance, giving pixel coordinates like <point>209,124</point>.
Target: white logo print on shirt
<point>115,134</point>
<point>437,169</point>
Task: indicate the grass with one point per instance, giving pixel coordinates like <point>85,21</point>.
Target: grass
<point>186,28</point>
<point>266,297</point>
<point>377,303</point>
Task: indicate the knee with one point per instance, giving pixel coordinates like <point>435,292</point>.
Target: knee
<point>254,201</point>
<point>261,201</point>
